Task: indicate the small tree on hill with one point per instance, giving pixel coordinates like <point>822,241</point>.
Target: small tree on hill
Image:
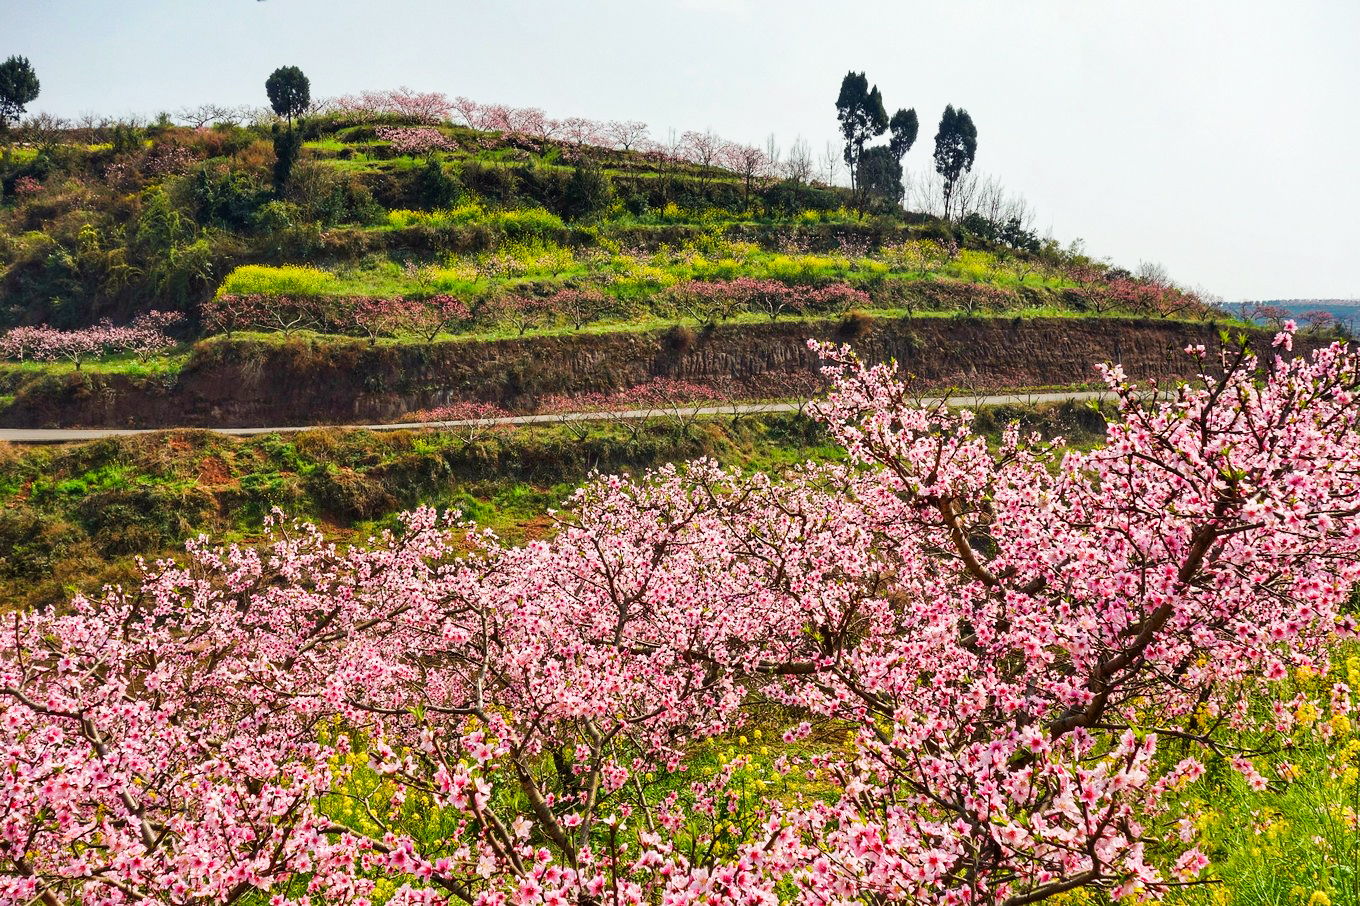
<point>290,94</point>
<point>18,88</point>
<point>955,148</point>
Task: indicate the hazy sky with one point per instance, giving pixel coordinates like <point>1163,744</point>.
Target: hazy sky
<point>1219,138</point>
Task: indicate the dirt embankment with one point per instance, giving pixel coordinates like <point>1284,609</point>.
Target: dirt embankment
<point>306,382</point>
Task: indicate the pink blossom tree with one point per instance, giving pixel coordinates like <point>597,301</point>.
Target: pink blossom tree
<point>627,134</point>
<point>522,310</point>
<point>470,112</point>
<point>999,639</point>
<point>580,306</point>
<point>468,420</point>
<point>428,318</point>
<point>581,131</point>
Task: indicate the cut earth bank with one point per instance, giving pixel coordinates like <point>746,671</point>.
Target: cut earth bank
<point>310,381</point>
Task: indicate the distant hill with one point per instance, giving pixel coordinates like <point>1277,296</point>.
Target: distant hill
<point>1347,311</point>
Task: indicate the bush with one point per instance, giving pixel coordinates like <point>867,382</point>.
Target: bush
<point>854,325</point>
<point>588,193</point>
<point>494,183</point>
<point>225,197</point>
<point>434,186</point>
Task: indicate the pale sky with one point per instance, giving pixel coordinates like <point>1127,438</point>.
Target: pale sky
<point>1219,138</point>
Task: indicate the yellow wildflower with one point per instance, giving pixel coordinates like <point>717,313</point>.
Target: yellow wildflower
<point>1306,714</point>
<point>1341,725</point>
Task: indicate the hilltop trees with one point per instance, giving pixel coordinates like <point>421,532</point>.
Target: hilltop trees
<point>955,148</point>
<point>862,117</point>
<point>876,172</point>
<point>18,88</point>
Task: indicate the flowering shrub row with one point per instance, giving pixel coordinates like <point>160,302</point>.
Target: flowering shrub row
<point>145,336</point>
<point>375,316</point>
<point>710,301</point>
<point>699,148</point>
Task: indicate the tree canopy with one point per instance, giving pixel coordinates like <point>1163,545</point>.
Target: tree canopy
<point>880,175</point>
<point>18,88</point>
<point>955,148</point>
<point>290,92</point>
<point>903,127</point>
<point>862,116</point>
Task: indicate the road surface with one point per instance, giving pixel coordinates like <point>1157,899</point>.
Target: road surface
<point>71,435</point>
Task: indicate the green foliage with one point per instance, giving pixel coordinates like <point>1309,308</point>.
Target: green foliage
<point>955,149</point>
<point>880,176</point>
<point>588,193</point>
<point>18,88</point>
<point>290,92</point>
<point>226,197</point>
<point>287,149</point>
<point>904,126</point>
<point>435,187</point>
<point>861,114</point>
<point>862,117</point>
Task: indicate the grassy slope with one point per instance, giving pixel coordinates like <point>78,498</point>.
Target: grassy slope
<point>75,516</point>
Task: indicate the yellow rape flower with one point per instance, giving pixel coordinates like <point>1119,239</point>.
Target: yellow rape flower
<point>1319,898</point>
<point>1306,714</point>
<point>1341,725</point>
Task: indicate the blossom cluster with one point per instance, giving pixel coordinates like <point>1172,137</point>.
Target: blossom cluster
<point>433,108</point>
<point>430,107</point>
<point>468,419</point>
<point>415,140</point>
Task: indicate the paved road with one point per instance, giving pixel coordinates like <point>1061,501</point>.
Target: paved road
<point>70,435</point>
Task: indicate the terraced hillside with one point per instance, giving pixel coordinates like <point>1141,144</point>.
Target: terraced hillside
<point>387,224</point>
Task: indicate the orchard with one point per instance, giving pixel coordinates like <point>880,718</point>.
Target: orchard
<point>971,674</point>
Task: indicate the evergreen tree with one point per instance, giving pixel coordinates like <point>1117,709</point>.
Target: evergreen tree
<point>955,148</point>
<point>862,117</point>
<point>18,87</point>
<point>880,175</point>
<point>290,92</point>
<point>903,127</point>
